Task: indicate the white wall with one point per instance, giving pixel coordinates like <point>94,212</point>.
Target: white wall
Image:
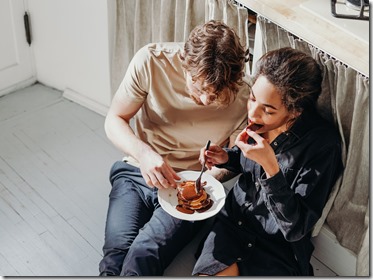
<point>71,49</point>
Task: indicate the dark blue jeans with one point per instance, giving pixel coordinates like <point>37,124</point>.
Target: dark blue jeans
<point>140,237</point>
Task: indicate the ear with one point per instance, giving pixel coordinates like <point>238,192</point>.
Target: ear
<point>295,114</point>
<point>292,117</point>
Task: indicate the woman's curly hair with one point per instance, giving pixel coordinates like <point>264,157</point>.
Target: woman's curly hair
<point>295,74</point>
<point>214,53</point>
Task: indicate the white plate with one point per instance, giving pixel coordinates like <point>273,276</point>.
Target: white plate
<point>168,197</point>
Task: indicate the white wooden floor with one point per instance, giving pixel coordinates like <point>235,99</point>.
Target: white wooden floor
<point>54,165</point>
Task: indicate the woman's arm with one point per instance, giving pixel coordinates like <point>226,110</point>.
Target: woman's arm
<point>296,207</point>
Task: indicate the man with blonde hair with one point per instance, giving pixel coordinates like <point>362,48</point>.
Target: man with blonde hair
<point>179,96</point>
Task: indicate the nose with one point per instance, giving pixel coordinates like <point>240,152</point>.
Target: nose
<point>253,111</point>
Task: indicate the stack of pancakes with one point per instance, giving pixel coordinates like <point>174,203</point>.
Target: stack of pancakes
<point>189,200</point>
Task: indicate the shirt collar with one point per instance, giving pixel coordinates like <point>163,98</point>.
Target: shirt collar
<point>301,126</point>
<point>304,123</point>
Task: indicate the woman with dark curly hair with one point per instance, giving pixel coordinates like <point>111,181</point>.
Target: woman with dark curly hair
<point>289,157</point>
<point>177,95</point>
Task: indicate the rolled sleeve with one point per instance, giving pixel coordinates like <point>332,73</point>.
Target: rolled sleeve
<point>233,163</point>
<point>273,184</point>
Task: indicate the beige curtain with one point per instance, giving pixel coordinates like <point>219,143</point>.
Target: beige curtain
<point>139,22</point>
<point>344,100</point>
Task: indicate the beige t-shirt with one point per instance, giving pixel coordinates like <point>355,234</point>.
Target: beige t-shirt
<point>169,120</point>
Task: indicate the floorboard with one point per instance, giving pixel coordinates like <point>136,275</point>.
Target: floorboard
<point>54,166</point>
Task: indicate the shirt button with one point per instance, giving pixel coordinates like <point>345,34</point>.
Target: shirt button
<point>239,223</point>
<point>256,184</point>
<point>249,245</point>
<point>247,204</point>
<point>239,259</point>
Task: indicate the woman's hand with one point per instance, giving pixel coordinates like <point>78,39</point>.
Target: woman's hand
<point>213,156</point>
<point>156,171</point>
<point>261,152</point>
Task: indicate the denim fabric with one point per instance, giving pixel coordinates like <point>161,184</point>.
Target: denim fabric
<point>140,237</point>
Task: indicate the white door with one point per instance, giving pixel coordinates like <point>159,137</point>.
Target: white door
<point>16,64</point>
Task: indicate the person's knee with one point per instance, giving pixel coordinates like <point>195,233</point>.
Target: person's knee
<point>142,261</point>
<point>231,270</point>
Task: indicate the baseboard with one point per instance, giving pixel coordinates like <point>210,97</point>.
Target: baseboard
<point>333,255</point>
<point>85,102</point>
<point>18,86</point>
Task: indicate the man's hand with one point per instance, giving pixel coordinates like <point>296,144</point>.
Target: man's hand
<point>156,171</point>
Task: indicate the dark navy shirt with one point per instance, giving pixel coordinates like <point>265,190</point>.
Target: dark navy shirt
<point>285,208</point>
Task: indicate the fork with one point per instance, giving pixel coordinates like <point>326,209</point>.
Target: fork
<point>198,181</point>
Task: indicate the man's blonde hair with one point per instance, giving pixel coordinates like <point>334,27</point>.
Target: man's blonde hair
<point>213,52</point>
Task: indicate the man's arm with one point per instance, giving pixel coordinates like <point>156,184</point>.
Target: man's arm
<point>155,170</point>
<point>118,129</point>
